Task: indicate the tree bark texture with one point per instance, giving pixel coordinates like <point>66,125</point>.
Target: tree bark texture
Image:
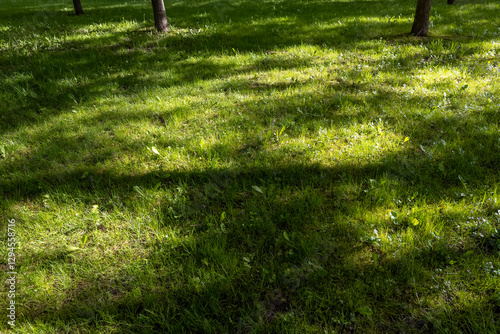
<point>421,21</point>
<point>78,7</point>
<point>161,23</point>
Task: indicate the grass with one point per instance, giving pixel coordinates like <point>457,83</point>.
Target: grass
<point>268,166</point>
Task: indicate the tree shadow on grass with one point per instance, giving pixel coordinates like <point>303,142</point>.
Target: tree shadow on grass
<point>70,73</point>
<point>295,108</point>
<point>271,225</point>
<point>201,284</point>
<point>286,225</point>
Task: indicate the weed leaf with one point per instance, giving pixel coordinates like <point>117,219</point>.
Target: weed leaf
<point>154,150</point>
<point>257,189</point>
<point>365,310</point>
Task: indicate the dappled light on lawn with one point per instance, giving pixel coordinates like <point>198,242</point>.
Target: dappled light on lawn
<point>266,166</point>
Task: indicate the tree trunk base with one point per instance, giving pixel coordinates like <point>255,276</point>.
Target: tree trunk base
<point>421,22</point>
<point>78,7</point>
<point>160,15</point>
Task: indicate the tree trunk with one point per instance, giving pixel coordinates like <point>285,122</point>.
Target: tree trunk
<point>78,7</point>
<point>421,22</point>
<point>450,2</point>
<point>161,23</point>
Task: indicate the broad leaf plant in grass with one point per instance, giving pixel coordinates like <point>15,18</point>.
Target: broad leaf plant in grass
<point>265,167</point>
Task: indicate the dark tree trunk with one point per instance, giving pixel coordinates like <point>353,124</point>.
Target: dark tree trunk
<point>421,21</point>
<point>450,2</point>
<point>78,7</point>
<point>161,23</point>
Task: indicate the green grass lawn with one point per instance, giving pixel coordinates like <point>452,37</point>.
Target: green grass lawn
<point>269,166</point>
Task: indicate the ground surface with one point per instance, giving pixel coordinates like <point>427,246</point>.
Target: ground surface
<point>268,166</point>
